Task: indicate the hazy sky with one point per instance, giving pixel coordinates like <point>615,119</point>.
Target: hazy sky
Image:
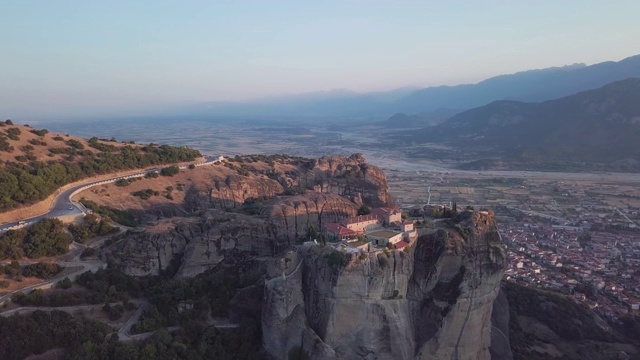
<point>101,57</point>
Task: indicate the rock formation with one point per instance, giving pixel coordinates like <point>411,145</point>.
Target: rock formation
<point>261,213</point>
<point>434,302</point>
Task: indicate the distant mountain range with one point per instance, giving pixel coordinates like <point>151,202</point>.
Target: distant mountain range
<point>594,126</point>
<point>529,86</point>
<point>532,85</point>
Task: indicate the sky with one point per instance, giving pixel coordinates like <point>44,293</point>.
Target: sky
<point>96,58</point>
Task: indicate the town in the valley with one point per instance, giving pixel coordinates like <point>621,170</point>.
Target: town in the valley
<point>578,235</point>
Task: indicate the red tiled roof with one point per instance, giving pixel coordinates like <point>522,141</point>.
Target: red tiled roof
<point>401,244</point>
<point>339,229</point>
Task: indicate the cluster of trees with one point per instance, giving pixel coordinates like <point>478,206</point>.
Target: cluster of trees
<point>45,238</point>
<point>104,286</point>
<point>12,269</point>
<point>26,183</point>
<point>42,270</point>
<point>124,217</point>
<point>91,227</point>
<point>194,341</point>
<point>35,333</point>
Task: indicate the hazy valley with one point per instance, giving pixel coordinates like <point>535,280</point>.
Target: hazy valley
<point>506,231</point>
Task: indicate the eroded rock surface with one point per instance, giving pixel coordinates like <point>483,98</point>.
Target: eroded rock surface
<point>433,303</point>
<point>259,214</point>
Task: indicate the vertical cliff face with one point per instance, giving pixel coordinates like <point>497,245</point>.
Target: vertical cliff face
<point>435,302</point>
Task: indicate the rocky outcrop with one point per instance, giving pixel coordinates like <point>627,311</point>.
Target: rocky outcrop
<point>435,303</point>
<point>294,215</point>
<point>351,177</point>
<point>262,212</point>
<point>348,177</point>
<point>192,245</point>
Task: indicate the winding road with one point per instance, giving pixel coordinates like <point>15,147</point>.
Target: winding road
<point>63,206</point>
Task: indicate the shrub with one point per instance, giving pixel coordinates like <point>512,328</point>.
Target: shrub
<point>4,284</point>
<point>145,194</point>
<point>170,170</point>
<point>13,133</point>
<point>42,132</point>
<point>64,283</point>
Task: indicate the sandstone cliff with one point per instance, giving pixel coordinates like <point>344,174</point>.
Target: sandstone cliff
<point>433,303</point>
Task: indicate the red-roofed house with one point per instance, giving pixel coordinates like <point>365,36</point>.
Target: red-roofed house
<point>339,232</point>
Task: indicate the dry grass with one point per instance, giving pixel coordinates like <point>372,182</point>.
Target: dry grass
<point>42,152</point>
<point>121,198</point>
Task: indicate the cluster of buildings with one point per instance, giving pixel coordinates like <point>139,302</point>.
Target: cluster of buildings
<point>382,227</point>
<point>604,274</point>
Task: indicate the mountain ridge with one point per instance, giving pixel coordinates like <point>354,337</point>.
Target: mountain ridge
<point>600,125</point>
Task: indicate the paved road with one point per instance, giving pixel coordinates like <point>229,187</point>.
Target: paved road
<point>125,330</point>
<point>63,206</point>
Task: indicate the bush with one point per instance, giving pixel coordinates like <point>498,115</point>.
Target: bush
<point>64,283</point>
<point>75,144</point>
<point>122,182</point>
<point>4,284</point>
<point>42,132</point>
<point>170,170</point>
<point>13,133</point>
<point>88,252</point>
<point>145,194</point>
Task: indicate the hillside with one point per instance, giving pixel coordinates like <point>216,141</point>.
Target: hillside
<point>545,325</point>
<point>401,120</point>
<point>595,129</point>
<point>34,163</point>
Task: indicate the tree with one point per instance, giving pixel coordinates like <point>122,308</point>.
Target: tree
<point>364,210</point>
<point>170,170</point>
